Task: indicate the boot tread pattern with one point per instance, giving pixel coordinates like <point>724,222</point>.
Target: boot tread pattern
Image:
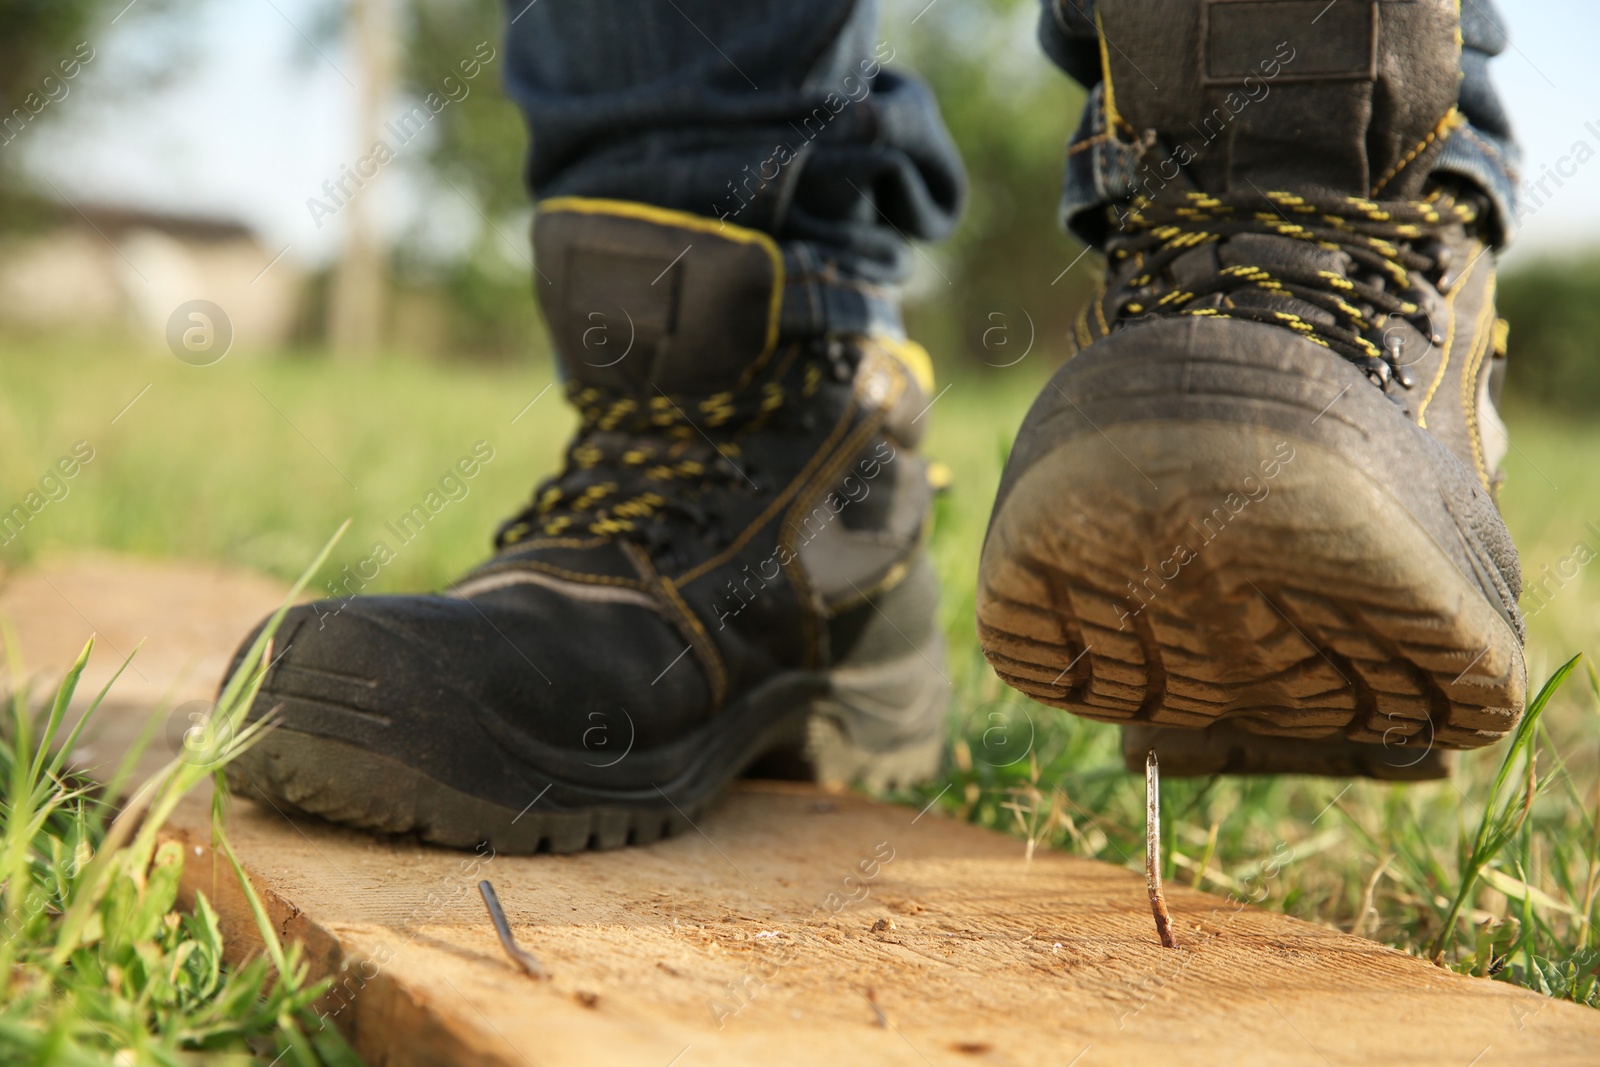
<point>1307,663</point>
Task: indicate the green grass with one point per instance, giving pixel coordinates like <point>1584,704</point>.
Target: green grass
<point>97,962</point>
<point>1396,863</point>
<point>252,461</point>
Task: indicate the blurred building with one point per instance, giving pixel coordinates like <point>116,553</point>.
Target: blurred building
<point>108,266</point>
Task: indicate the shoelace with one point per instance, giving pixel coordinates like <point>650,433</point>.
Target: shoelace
<point>1380,239</point>
<point>632,463</point>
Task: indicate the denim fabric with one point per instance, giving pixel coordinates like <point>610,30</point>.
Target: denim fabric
<point>1102,172</point>
<point>1485,151</point>
<point>769,114</point>
<point>783,117</point>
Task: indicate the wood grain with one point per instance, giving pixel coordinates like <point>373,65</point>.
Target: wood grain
<point>744,943</point>
<point>792,926</point>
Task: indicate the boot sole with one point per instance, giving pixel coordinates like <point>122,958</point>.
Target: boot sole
<point>880,725</point>
<point>1308,606</point>
<point>1225,748</point>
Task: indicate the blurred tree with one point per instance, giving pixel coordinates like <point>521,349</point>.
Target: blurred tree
<point>356,295</point>
<point>469,167</point>
<point>35,35</point>
<point>480,139</point>
<point>1554,319</point>
<point>40,41</point>
<point>1005,281</point>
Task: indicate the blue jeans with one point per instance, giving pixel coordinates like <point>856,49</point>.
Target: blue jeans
<point>784,116</point>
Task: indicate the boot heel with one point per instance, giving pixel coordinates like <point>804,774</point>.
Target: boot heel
<point>881,725</point>
<point>1226,749</point>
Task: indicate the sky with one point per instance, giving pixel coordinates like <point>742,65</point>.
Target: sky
<point>253,118</point>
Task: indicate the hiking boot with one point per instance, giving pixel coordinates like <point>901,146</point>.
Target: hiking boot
<point>728,569</point>
<point>1253,519</point>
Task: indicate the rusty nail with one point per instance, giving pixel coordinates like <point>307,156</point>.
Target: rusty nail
<point>1152,849</point>
<point>519,955</point>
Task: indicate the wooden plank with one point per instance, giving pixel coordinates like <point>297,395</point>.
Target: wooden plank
<point>185,619</point>
<point>799,927</point>
<point>742,944</point>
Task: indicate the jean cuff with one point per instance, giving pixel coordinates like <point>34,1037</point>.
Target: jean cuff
<point>1491,164</point>
<point>818,299</point>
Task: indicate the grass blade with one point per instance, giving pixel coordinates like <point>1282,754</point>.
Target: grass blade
<point>1500,821</point>
<point>58,710</point>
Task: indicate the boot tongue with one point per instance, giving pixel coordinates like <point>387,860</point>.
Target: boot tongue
<point>643,301</point>
<point>1352,97</point>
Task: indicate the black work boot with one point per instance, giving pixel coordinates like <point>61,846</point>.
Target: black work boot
<point>1253,519</point>
<point>728,569</point>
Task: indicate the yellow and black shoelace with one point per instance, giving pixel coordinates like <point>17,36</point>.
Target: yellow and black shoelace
<point>635,460</point>
<point>1381,240</point>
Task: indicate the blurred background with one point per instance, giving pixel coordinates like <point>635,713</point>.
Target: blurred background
<point>190,145</point>
<point>159,152</point>
<point>154,153</point>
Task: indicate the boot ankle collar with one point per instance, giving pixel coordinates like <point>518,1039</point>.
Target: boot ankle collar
<point>639,298</point>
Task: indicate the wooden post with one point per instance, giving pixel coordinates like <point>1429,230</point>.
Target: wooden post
<point>356,303</point>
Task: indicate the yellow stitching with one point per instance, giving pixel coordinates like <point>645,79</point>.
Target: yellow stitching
<point>557,542</point>
<point>757,364</point>
<point>1444,360</point>
<point>823,482</point>
<point>688,623</point>
<point>710,655</point>
<point>1469,399</point>
<point>805,593</point>
<point>1105,73</point>
<point>1080,327</point>
<point>1451,120</point>
<point>777,503</point>
<point>584,205</point>
<point>705,648</point>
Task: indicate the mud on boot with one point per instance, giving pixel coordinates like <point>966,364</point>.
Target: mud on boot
<point>1258,503</point>
<point>728,568</point>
